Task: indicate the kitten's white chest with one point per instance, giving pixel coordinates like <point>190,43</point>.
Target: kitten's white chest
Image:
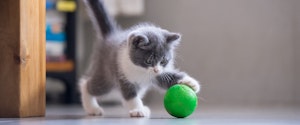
<point>133,73</point>
<point>137,76</point>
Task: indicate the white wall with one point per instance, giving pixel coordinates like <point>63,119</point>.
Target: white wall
<point>243,52</point>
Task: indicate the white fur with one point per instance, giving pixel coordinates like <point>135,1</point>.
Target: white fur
<point>136,108</point>
<point>191,82</point>
<point>133,73</point>
<point>89,102</point>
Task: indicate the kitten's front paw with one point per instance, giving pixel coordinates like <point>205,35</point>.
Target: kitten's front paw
<point>94,111</point>
<point>140,112</point>
<point>189,81</point>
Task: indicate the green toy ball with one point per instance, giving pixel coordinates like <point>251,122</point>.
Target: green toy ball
<point>180,101</point>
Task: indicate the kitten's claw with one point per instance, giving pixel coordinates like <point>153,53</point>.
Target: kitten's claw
<point>140,112</point>
<point>94,111</point>
<point>191,83</point>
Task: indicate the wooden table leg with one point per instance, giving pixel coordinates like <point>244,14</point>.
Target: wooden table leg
<point>22,58</point>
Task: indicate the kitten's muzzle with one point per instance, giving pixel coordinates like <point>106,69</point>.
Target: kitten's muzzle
<point>155,69</point>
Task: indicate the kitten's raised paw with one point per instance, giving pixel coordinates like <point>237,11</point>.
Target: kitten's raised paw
<point>140,112</point>
<point>95,111</point>
<point>191,83</point>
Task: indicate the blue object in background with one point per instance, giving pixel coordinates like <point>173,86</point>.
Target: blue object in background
<point>50,4</point>
<point>58,37</point>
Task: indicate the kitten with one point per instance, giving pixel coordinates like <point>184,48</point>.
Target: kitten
<point>130,61</point>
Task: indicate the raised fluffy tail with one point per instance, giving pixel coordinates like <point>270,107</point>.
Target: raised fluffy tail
<point>99,16</point>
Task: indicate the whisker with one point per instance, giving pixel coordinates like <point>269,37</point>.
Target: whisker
<point>169,78</point>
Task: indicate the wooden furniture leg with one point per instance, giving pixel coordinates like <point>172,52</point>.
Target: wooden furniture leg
<point>22,58</point>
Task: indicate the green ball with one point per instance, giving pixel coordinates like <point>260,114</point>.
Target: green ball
<point>180,101</point>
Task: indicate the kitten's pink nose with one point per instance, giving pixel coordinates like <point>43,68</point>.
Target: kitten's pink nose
<point>155,70</point>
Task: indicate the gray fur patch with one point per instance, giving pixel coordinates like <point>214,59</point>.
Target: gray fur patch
<point>129,90</point>
<point>166,80</point>
<point>102,73</point>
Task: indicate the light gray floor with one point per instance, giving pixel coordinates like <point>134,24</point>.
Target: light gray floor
<point>74,115</point>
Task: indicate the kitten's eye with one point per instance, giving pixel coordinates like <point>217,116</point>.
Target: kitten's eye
<point>148,61</point>
<point>164,61</point>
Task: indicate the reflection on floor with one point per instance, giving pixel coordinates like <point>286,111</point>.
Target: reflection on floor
<point>74,115</point>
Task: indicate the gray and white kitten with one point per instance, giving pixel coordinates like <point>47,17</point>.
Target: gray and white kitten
<point>129,61</point>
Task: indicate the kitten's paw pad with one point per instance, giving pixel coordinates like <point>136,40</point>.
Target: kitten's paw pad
<point>191,83</point>
<point>140,112</point>
<point>95,111</point>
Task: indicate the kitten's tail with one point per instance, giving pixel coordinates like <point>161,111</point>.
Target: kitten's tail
<point>103,23</point>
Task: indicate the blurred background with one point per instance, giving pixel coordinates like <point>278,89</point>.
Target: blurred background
<point>244,52</point>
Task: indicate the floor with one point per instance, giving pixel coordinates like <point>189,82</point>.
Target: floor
<point>74,115</point>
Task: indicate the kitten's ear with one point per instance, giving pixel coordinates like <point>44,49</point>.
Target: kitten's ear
<point>138,40</point>
<point>173,38</point>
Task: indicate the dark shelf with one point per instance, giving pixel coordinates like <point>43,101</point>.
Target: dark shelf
<point>67,75</point>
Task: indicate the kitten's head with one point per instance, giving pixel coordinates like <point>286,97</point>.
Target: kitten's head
<point>152,48</point>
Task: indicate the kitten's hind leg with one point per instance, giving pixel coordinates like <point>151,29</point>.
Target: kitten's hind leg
<point>89,102</point>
